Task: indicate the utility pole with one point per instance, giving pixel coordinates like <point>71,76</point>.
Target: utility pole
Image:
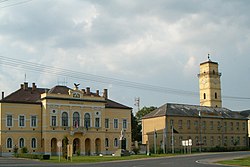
<point>137,103</point>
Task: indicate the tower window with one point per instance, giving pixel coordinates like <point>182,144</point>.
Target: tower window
<point>213,72</point>
<point>204,95</point>
<point>215,95</point>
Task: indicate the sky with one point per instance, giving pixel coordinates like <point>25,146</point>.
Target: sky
<point>159,43</point>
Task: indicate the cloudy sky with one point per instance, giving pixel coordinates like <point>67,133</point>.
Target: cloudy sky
<point>159,43</point>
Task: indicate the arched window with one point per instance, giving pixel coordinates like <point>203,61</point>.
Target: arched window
<point>76,119</point>
<point>65,119</point>
<point>21,143</point>
<point>116,142</point>
<point>215,95</point>
<point>9,143</point>
<point>204,95</point>
<point>33,143</point>
<point>87,120</point>
<point>106,142</point>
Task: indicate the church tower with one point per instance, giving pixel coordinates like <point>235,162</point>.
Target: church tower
<point>209,82</point>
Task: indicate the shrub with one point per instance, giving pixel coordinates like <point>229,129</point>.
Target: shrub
<point>24,150</point>
<point>15,150</point>
<point>136,150</point>
<point>34,156</point>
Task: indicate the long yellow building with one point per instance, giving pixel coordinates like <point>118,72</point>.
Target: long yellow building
<point>40,118</point>
<point>207,126</point>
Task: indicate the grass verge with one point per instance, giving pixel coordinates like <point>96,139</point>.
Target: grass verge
<point>238,162</point>
<point>94,159</point>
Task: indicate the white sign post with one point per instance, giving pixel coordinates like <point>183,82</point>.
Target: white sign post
<point>59,145</point>
<point>185,144</point>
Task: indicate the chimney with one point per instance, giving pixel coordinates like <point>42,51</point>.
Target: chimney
<point>22,86</point>
<point>105,93</point>
<point>97,92</point>
<point>33,86</point>
<point>25,85</point>
<point>2,95</point>
<point>88,90</point>
<point>83,90</point>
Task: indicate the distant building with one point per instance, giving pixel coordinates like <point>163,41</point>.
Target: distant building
<point>246,114</point>
<point>39,118</point>
<point>208,125</point>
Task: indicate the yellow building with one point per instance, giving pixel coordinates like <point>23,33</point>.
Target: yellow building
<point>39,119</point>
<point>208,125</point>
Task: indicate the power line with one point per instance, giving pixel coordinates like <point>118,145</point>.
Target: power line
<point>13,4</point>
<point>40,68</point>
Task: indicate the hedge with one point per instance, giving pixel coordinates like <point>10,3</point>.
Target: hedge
<point>33,156</point>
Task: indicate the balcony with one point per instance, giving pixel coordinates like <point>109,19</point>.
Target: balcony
<point>80,130</point>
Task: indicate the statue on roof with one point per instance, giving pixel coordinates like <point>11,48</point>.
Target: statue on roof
<point>76,85</point>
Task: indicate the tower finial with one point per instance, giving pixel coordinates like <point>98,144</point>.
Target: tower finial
<point>208,56</point>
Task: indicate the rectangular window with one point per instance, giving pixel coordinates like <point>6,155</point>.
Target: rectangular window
<point>97,122</point>
<point>204,124</point>
<point>196,124</point>
<point>21,121</point>
<point>232,141</point>
<point>205,140</point>
<point>188,124</point>
<point>9,120</point>
<point>232,125</point>
<point>106,123</point>
<point>180,124</point>
<point>53,120</point>
<point>33,121</point>
<point>124,124</point>
<point>225,126</point>
<point>237,125</point>
<point>115,123</point>
<point>219,126</point>
<point>212,140</point>
<point>243,126</point>
<point>211,125</point>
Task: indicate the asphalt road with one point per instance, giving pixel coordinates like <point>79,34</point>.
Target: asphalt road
<point>195,160</point>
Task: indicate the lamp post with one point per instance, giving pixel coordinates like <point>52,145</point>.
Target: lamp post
<point>200,131</point>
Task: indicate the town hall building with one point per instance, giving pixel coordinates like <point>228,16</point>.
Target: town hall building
<point>40,118</point>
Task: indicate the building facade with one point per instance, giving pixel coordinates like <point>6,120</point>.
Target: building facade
<point>39,119</point>
<point>208,125</point>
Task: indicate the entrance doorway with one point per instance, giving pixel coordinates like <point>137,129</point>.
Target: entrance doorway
<point>98,146</point>
<point>76,146</point>
<point>87,147</point>
<point>53,146</point>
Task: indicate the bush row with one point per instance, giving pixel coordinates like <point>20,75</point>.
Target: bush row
<point>33,156</point>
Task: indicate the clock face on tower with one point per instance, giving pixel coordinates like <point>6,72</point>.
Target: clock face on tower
<point>204,81</point>
<point>215,81</point>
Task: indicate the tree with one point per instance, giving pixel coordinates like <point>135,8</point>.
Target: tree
<point>136,122</point>
<point>65,142</point>
<point>135,128</point>
<point>144,111</point>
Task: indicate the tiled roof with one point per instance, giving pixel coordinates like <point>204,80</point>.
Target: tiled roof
<point>185,110</point>
<point>245,113</point>
<point>113,104</point>
<point>25,96</point>
<point>59,89</point>
<point>34,96</point>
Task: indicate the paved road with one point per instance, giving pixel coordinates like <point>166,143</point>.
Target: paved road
<point>202,160</point>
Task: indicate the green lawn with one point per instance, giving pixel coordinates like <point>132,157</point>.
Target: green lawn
<point>92,159</point>
<point>239,162</point>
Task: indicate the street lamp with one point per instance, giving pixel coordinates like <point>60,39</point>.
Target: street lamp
<point>200,132</point>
